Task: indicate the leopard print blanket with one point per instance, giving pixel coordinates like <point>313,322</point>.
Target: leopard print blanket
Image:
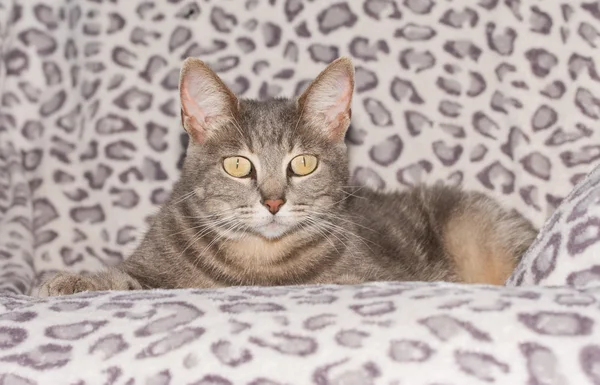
<point>499,96</point>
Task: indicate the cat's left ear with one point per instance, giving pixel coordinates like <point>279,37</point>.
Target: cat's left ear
<point>326,103</point>
<point>206,102</point>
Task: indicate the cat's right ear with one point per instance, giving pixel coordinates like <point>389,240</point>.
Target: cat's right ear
<point>206,102</point>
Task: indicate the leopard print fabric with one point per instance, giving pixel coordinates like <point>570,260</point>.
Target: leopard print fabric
<point>394,333</point>
<point>501,96</point>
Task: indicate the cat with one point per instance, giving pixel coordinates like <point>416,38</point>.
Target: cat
<point>263,199</point>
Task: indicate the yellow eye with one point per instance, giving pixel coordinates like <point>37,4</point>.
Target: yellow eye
<point>237,166</point>
<point>304,164</point>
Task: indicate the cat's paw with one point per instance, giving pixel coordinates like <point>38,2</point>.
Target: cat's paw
<point>68,283</point>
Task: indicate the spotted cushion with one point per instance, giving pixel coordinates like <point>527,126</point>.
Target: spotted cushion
<point>501,97</point>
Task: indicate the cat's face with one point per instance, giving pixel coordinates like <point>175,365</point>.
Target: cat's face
<point>265,168</point>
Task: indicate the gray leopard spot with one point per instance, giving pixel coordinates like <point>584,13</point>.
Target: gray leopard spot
<point>89,214</point>
<point>19,317</point>
<point>484,125</point>
<point>583,235</point>
<point>225,63</point>
<point>54,103</point>
<point>378,9</point>
<point>11,337</point>
<point>578,63</point>
<point>75,331</point>
<point>477,84</point>
<point>374,308</point>
<point>587,103</point>
<point>410,351</point>
<point>387,151</point>
<point>584,155</point>
<point>502,43</point>
<point>171,80</point>
<point>43,357</point>
<point>481,366</point>
<point>160,378</point>
<point>134,98</point>
<point>120,150</point>
<point>579,299</point>
<point>123,57</point>
<point>179,37</point>
<point>365,79</point>
<point>13,379</point>
<point>98,177</point>
<point>415,32</point>
<point>542,365</point>
<point>538,165</point>
<point>417,61</point>
<point>126,198</point>
<point>221,20</point>
<point>245,44</point>
<point>243,307</point>
<point>271,34</point>
<point>545,262</point>
<point>154,65</point>
<point>414,174</point>
<point>400,88</point>
<point>497,177</point>
<point>543,118</point>
<point>365,176</point>
<point>69,256</point>
<point>109,346</point>
<point>420,7</point>
<point>541,61</point>
<point>292,8</point>
<point>540,21</point>
<point>351,338</point>
<point>212,380</point>
<point>449,108</point>
<point>319,322</point>
<point>554,90</point>
<point>450,86</point>
<point>334,17</point>
<point>51,73</point>
<point>32,130</point>
<point>446,327</point>
<point>416,122</point>
<point>457,19</point>
<point>321,53</point>
<point>557,323</point>
<point>288,344</point>
<point>44,212</point>
<point>16,61</point>
<point>588,33</point>
<point>341,373</point>
<point>560,136</point>
<point>516,138</point>
<point>225,353</point>
<point>448,155</point>
<point>378,113</point>
<point>182,313</point>
<point>44,43</point>
<point>173,341</point>
<point>461,49</point>
<point>589,359</point>
<point>361,48</point>
<point>68,306</point>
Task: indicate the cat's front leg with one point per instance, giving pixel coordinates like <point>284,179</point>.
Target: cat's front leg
<point>69,283</point>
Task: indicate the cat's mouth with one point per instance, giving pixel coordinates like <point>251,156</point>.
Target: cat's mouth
<point>274,227</point>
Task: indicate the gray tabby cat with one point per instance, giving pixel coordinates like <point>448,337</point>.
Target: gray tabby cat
<point>263,199</point>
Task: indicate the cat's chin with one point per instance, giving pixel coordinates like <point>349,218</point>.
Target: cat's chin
<point>273,230</point>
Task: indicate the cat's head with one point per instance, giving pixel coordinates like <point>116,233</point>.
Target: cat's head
<point>265,167</point>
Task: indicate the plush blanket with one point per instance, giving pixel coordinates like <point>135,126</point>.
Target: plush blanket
<point>499,96</point>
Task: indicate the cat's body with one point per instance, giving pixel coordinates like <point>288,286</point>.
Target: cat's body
<point>263,200</point>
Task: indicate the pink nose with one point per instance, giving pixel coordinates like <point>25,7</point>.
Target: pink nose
<point>273,205</point>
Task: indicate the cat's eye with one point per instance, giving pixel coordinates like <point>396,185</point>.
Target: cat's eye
<point>304,164</point>
<point>237,166</point>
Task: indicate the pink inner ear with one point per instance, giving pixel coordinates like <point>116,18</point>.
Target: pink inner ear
<point>191,108</point>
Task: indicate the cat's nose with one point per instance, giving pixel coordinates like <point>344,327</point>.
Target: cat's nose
<point>273,205</point>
